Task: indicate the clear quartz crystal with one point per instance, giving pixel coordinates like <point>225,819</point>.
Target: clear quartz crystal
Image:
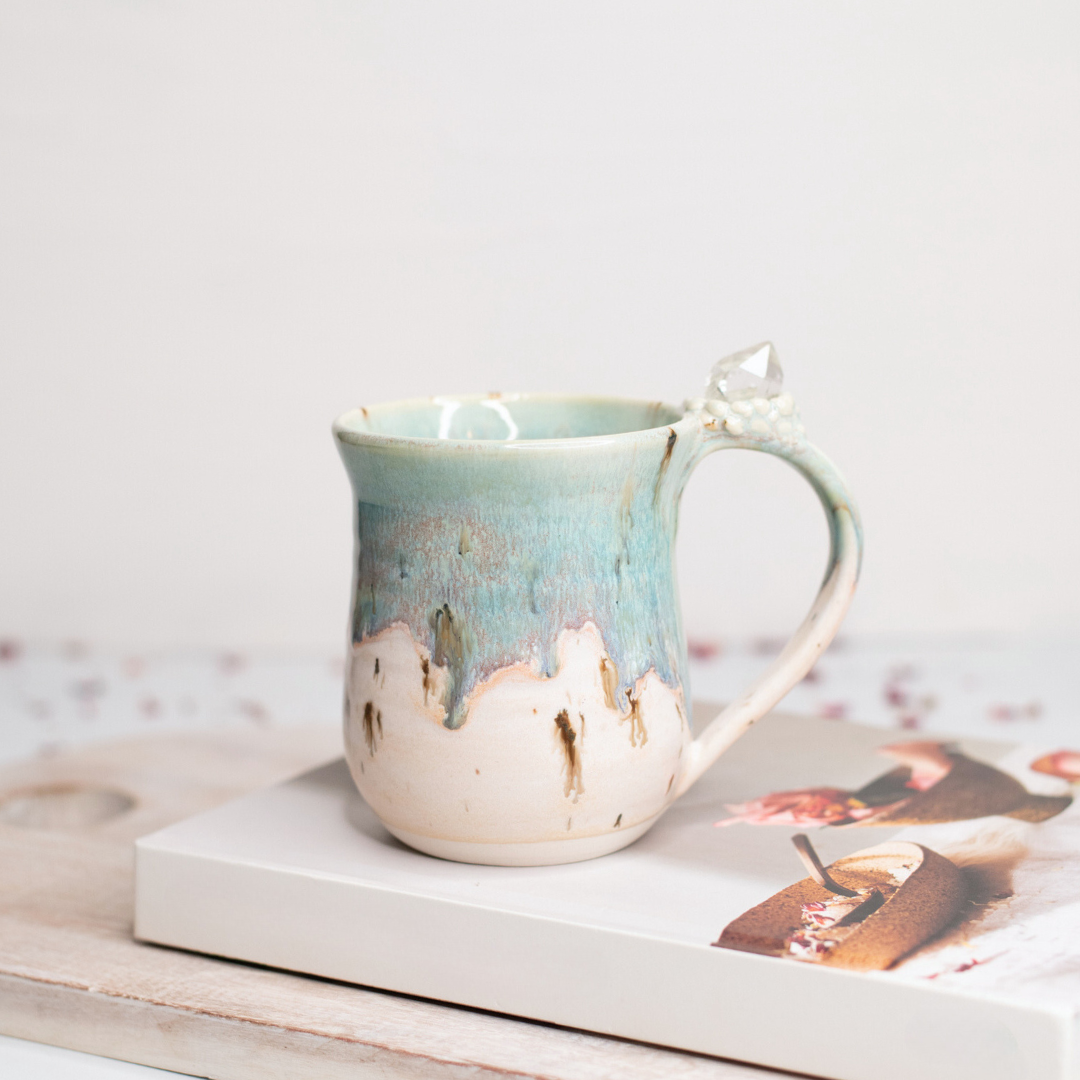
<point>750,373</point>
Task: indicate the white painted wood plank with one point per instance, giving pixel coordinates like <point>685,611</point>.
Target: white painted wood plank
<point>72,975</point>
<point>21,1059</point>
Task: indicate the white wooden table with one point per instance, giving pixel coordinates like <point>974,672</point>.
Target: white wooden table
<point>71,974</point>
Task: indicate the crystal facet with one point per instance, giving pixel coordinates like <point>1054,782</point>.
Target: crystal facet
<point>750,373</point>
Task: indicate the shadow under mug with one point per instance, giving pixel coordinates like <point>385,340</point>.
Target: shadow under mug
<point>516,682</point>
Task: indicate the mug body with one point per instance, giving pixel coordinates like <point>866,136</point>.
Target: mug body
<point>516,683</point>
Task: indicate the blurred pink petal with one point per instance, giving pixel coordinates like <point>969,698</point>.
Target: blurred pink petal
<point>805,807</point>
<point>927,760</point>
<point>1063,763</point>
<point>699,649</point>
<point>833,710</point>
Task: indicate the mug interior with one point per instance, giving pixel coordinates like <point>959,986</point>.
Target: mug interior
<point>509,417</point>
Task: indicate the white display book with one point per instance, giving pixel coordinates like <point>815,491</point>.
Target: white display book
<point>302,876</point>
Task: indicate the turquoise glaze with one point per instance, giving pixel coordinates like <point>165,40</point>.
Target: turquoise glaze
<point>488,548</point>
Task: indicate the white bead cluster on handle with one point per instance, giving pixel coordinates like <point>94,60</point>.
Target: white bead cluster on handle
<point>764,418</point>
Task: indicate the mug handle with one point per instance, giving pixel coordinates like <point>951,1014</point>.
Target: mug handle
<point>778,431</point>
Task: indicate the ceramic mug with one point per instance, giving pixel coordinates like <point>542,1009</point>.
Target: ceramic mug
<point>516,691</point>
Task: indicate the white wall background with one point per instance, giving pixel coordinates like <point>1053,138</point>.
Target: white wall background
<point>223,223</point>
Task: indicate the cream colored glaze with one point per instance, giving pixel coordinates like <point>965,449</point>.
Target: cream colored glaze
<point>536,853</point>
<point>538,760</point>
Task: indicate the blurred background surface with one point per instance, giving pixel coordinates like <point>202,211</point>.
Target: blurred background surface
<point>223,224</point>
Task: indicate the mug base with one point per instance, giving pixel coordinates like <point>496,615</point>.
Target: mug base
<point>535,853</point>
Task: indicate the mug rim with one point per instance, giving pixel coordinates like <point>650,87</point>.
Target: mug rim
<point>346,432</point>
